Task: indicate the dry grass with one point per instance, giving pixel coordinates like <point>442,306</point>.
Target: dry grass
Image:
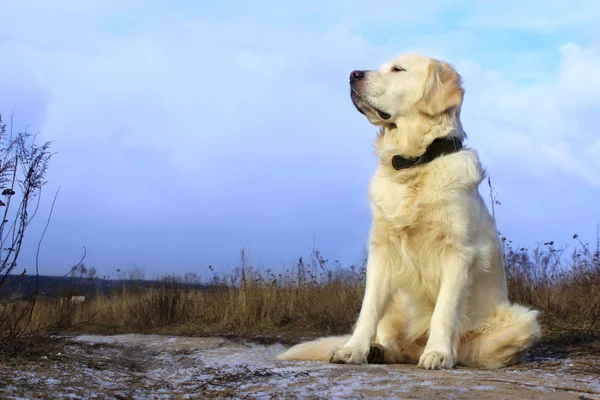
<point>310,300</point>
<point>254,308</point>
<point>564,285</point>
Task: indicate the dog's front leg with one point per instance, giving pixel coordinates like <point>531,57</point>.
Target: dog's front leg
<point>378,293</point>
<point>440,351</point>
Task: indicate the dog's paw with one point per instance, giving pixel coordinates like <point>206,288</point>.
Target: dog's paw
<point>436,359</point>
<point>349,355</point>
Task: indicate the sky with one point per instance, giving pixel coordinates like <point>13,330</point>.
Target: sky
<point>186,131</point>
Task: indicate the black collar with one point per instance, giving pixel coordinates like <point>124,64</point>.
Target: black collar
<point>437,148</point>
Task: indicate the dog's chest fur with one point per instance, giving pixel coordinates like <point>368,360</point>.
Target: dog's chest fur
<point>419,213</point>
<point>422,196</point>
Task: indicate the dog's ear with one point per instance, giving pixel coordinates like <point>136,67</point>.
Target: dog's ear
<point>442,91</point>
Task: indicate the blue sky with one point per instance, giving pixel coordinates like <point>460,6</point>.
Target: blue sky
<point>186,130</point>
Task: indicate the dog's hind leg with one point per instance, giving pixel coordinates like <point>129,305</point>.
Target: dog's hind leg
<point>501,341</point>
<point>391,335</point>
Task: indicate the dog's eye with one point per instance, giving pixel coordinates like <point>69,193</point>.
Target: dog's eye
<point>398,69</point>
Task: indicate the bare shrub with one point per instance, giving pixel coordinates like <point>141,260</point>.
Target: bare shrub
<point>23,166</point>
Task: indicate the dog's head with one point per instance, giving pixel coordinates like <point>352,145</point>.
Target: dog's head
<point>405,87</point>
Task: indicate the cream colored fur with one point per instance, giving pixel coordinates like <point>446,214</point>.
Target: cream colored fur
<point>436,289</point>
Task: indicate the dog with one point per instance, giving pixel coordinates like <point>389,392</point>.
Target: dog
<point>436,291</point>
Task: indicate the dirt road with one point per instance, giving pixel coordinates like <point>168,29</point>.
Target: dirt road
<point>168,367</point>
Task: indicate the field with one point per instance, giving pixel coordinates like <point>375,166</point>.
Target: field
<point>256,312</point>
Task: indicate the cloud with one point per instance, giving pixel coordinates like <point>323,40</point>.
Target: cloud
<point>544,17</point>
<point>546,124</point>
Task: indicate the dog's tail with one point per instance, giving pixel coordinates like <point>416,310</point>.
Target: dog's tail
<point>315,350</point>
<point>504,339</point>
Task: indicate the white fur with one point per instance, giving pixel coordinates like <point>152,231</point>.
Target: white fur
<point>436,289</point>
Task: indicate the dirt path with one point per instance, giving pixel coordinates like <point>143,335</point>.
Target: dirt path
<point>167,367</point>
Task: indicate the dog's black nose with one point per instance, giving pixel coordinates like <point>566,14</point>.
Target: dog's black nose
<point>356,75</point>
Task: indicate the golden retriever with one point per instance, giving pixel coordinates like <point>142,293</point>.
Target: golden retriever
<point>436,292</point>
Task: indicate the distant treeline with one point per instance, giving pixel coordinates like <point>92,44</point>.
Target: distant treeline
<point>16,287</point>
